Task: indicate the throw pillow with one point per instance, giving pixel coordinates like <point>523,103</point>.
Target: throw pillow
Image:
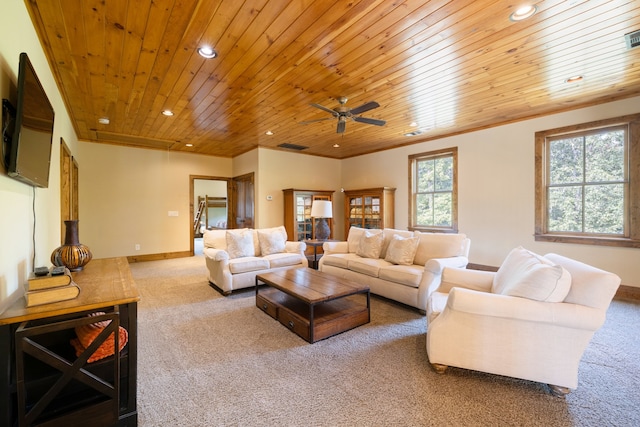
<point>272,240</point>
<point>402,250</point>
<point>370,244</point>
<point>528,275</point>
<point>240,243</point>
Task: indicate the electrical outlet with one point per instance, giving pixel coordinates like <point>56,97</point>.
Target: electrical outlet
<point>173,213</point>
<point>137,247</point>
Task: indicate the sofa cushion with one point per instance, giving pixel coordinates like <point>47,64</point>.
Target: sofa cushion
<point>353,239</point>
<point>339,260</point>
<point>249,263</point>
<point>240,243</point>
<point>438,245</point>
<point>402,250</point>
<point>272,240</point>
<point>528,275</point>
<point>216,239</point>
<point>409,275</point>
<point>283,259</point>
<point>368,266</point>
<point>370,244</point>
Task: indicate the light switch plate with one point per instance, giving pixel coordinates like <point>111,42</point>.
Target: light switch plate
<point>173,213</point>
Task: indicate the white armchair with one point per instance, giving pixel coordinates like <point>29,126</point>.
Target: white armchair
<point>474,324</point>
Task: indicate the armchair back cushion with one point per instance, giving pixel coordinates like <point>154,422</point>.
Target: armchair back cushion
<point>528,275</point>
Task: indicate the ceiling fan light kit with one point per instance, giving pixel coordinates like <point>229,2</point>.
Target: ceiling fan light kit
<point>344,113</point>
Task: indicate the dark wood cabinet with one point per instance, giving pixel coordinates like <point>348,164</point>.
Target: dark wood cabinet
<point>297,213</point>
<point>43,382</point>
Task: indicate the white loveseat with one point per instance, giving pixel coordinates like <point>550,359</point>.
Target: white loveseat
<point>397,264</point>
<point>235,257</point>
<point>532,319</point>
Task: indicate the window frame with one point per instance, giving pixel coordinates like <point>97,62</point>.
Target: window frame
<point>413,159</point>
<point>632,202</point>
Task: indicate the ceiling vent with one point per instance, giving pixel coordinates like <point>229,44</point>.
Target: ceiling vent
<point>632,39</point>
<point>292,146</point>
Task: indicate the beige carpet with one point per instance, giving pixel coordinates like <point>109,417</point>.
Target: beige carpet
<point>207,360</point>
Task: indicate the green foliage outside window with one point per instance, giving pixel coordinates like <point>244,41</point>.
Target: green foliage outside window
<point>433,194</point>
<point>586,184</point>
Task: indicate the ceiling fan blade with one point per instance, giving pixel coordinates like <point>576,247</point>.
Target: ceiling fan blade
<point>328,110</point>
<point>365,107</point>
<point>306,122</point>
<point>370,121</point>
<point>341,126</point>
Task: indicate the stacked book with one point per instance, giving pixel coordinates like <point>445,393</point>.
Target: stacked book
<point>57,285</point>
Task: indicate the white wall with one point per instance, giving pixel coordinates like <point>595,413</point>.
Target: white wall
<point>17,250</point>
<point>496,188</point>
<point>279,170</point>
<point>126,195</point>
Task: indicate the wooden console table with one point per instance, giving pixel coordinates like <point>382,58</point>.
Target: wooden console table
<point>42,380</point>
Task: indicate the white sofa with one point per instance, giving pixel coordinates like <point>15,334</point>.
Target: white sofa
<point>235,257</point>
<point>389,267</point>
<point>532,319</point>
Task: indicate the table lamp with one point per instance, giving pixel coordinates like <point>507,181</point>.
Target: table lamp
<point>322,209</point>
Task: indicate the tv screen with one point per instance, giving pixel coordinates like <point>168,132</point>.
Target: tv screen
<point>30,152</point>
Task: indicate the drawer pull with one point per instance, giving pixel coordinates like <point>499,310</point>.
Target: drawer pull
<point>264,307</point>
<point>290,324</point>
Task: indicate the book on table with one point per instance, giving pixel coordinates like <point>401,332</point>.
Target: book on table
<point>48,281</point>
<point>51,295</point>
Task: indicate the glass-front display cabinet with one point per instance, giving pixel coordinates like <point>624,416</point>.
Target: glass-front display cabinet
<point>369,208</point>
<point>297,213</point>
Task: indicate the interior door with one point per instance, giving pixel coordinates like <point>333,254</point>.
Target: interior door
<point>243,205</point>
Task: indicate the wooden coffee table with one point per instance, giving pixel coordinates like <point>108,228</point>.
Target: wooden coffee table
<point>313,304</point>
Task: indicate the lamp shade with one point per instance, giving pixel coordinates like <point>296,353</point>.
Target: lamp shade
<point>321,209</point>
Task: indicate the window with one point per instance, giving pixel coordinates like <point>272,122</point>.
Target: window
<point>587,180</point>
<point>434,191</point>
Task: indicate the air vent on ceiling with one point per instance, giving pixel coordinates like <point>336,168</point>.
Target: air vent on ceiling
<point>292,146</point>
<point>632,39</point>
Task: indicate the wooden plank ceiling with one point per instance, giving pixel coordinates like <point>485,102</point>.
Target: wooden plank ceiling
<point>435,68</point>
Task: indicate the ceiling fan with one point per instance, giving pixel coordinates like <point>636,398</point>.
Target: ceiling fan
<point>343,114</point>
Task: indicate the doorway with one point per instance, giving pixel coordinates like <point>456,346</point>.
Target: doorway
<point>209,207</point>
<point>219,203</point>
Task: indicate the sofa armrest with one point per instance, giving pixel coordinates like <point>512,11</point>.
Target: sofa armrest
<point>522,309</point>
<point>335,247</point>
<point>432,276</point>
<point>295,247</point>
<point>216,254</point>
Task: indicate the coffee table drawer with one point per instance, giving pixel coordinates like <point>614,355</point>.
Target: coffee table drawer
<point>294,322</point>
<point>267,306</point>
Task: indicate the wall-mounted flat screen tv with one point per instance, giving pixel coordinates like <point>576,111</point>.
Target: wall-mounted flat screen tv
<point>30,151</point>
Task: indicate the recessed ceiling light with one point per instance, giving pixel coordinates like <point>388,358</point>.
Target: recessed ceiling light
<point>574,79</point>
<point>413,124</point>
<point>523,12</point>
<point>268,133</point>
<point>414,133</point>
<point>103,120</point>
<point>188,145</point>
<point>167,112</point>
<point>336,145</point>
<point>207,52</point>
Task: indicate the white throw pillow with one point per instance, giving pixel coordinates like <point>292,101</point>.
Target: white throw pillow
<point>272,240</point>
<point>528,275</point>
<point>240,243</point>
<point>370,244</point>
<point>402,250</point>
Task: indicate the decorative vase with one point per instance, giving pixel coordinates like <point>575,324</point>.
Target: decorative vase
<point>73,254</point>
